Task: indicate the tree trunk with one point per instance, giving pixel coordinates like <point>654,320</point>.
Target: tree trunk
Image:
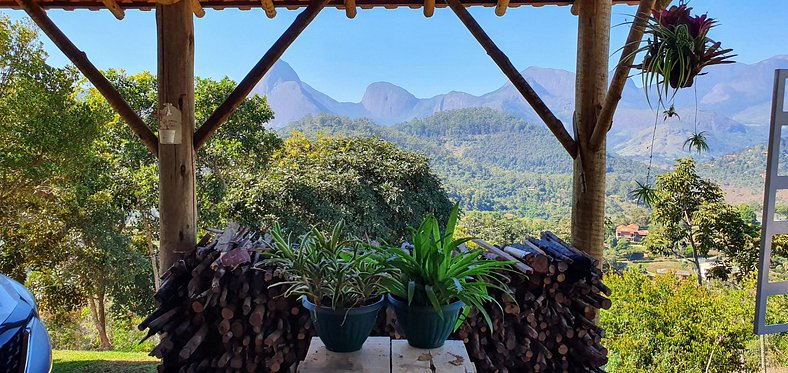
<point>588,182</point>
<point>146,226</point>
<point>695,256</point>
<point>178,201</point>
<point>99,319</point>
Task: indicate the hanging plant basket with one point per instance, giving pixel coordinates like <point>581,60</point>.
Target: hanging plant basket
<point>678,49</point>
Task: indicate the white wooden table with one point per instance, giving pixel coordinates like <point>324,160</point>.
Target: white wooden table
<point>383,355</point>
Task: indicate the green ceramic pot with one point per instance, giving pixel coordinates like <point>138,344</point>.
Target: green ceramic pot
<point>343,330</point>
<point>423,327</point>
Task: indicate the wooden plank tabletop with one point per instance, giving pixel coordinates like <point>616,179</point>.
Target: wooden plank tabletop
<point>451,358</point>
<point>374,357</point>
<point>381,354</point>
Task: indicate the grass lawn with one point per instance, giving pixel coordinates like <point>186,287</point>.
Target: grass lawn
<point>671,265</point>
<point>67,361</point>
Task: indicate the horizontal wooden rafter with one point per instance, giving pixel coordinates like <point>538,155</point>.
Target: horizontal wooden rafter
<point>350,8</point>
<point>288,4</point>
<point>114,8</point>
<point>429,8</point>
<point>197,9</point>
<point>500,8</point>
<point>268,7</point>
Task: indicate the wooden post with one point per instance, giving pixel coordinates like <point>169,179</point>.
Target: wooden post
<point>588,194</point>
<point>177,198</point>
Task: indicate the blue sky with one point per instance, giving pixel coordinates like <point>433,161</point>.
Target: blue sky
<point>427,56</point>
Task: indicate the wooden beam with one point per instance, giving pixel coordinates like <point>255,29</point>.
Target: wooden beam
<point>197,9</point>
<point>268,7</point>
<point>590,166</point>
<point>638,27</point>
<point>503,62</point>
<point>81,61</point>
<point>177,197</point>
<point>113,7</point>
<point>350,8</point>
<point>228,107</point>
<point>429,8</point>
<point>500,8</point>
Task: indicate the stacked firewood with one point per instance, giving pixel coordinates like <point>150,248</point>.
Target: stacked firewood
<point>548,323</point>
<point>218,313</point>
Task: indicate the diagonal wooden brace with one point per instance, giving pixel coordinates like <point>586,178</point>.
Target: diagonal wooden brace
<point>81,61</point>
<point>620,76</point>
<point>503,62</point>
<point>228,107</point>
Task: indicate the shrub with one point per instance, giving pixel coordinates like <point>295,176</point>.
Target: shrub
<point>668,324</point>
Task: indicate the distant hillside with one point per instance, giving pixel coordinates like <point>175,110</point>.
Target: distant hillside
<point>489,160</point>
<point>733,102</point>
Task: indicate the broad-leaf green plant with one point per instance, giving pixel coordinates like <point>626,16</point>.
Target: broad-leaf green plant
<point>436,272</point>
<point>334,270</point>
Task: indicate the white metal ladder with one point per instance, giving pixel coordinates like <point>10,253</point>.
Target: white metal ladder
<point>771,227</point>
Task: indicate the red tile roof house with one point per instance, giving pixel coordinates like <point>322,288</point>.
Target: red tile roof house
<point>631,232</point>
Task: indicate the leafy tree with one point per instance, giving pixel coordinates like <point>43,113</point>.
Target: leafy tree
<point>506,228</point>
<point>44,131</point>
<point>732,231</point>
<point>242,145</point>
<point>376,188</point>
<point>667,324</point>
<point>680,199</point>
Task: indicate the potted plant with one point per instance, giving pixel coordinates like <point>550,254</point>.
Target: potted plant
<point>341,281</point>
<point>678,48</point>
<point>438,282</point>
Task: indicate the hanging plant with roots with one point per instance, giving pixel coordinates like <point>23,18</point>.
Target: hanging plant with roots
<point>677,50</point>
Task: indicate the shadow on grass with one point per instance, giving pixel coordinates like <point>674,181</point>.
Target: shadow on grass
<point>103,366</point>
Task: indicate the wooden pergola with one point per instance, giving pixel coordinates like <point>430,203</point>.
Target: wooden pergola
<point>595,101</point>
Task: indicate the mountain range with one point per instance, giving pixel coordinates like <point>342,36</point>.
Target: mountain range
<point>733,106</point>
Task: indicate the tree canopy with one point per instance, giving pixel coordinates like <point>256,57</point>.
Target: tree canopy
<point>377,189</point>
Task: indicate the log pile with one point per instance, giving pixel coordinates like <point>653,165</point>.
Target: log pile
<point>548,323</point>
<point>217,312</point>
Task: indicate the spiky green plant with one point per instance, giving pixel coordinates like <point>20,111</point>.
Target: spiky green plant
<point>436,273</point>
<point>644,193</point>
<point>697,141</point>
<point>333,270</point>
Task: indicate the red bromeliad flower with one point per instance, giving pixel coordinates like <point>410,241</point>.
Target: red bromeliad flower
<point>678,15</point>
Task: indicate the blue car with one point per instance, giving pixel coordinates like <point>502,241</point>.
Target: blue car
<point>24,343</point>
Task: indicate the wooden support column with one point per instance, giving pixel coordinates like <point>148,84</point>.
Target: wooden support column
<point>588,194</point>
<point>177,198</point>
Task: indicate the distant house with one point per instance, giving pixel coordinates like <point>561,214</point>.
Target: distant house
<point>631,232</point>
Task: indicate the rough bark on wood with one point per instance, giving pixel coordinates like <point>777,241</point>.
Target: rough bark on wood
<point>588,181</point>
<point>177,197</point>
